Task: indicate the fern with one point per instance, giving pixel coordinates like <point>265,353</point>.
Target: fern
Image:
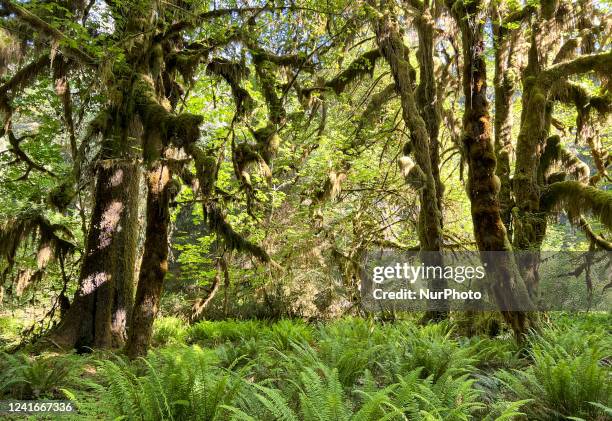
<point>561,383</point>
<point>177,383</point>
<point>23,377</point>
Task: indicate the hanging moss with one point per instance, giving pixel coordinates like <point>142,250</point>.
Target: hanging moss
<point>161,127</point>
<point>206,172</point>
<point>266,74</point>
<point>360,67</point>
<point>206,167</point>
<point>331,188</point>
<point>233,73</point>
<point>62,195</point>
<point>244,156</point>
<point>10,49</point>
<point>32,224</point>
<point>567,51</point>
<point>234,241</point>
<point>554,153</point>
<point>602,104</point>
<point>26,74</point>
<point>186,62</point>
<point>549,8</point>
<point>374,106</point>
<point>268,141</point>
<point>577,198</point>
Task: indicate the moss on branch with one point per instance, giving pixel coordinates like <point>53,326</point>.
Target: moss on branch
<point>601,63</point>
<point>577,198</point>
<point>161,127</point>
<point>360,67</point>
<point>555,153</point>
<point>233,73</point>
<point>206,172</point>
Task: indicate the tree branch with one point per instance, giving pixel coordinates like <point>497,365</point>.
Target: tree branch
<point>40,25</point>
<point>599,62</point>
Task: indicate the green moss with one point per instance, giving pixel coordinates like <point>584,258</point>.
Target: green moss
<point>361,66</point>
<point>578,198</point>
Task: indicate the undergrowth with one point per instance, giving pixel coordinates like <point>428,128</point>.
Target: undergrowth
<point>348,369</point>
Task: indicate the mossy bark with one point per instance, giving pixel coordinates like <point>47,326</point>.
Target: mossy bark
<point>103,301</point>
<point>483,185</point>
<point>154,260</point>
<point>395,53</point>
<point>504,85</point>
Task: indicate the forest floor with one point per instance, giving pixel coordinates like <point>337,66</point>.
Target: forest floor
<point>348,369</point>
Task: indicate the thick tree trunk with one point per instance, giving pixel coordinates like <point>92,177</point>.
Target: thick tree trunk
<point>154,261</point>
<point>395,53</point>
<point>106,281</point>
<point>483,185</point>
<point>124,261</point>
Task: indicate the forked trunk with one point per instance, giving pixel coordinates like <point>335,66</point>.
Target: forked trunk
<point>154,260</point>
<point>395,53</point>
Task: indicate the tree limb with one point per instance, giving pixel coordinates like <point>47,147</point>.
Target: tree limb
<point>40,25</point>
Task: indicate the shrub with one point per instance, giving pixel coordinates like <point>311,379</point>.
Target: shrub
<point>23,377</point>
<point>217,332</point>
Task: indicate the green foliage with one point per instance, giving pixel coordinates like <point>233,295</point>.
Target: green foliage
<point>24,377</point>
<point>10,328</point>
<point>177,383</point>
<point>169,330</point>
<point>432,349</point>
<point>226,330</point>
<point>348,369</point>
<point>565,376</point>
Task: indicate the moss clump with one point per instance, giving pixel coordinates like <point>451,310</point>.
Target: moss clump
<point>61,196</point>
<point>577,198</point>
<point>554,153</point>
<point>360,67</point>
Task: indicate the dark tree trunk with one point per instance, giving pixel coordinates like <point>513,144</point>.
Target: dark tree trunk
<point>154,261</point>
<point>483,185</point>
<point>107,272</point>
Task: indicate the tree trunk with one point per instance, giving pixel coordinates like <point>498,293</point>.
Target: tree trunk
<point>396,54</point>
<point>124,261</point>
<point>483,185</point>
<point>529,222</point>
<point>105,291</point>
<point>154,261</point>
<point>504,91</point>
<point>426,99</point>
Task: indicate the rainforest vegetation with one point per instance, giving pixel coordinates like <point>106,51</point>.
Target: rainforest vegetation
<point>192,191</point>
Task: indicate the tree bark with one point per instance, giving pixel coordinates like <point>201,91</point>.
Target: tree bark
<point>395,53</point>
<point>96,317</point>
<point>483,185</point>
<point>154,260</point>
<point>505,87</point>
